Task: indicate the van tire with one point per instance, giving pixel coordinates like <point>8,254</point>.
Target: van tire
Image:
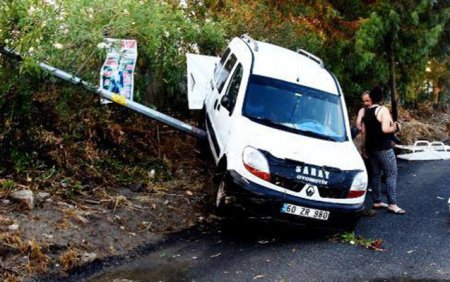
<point>202,145</point>
<point>220,195</point>
<point>201,118</point>
<point>220,204</point>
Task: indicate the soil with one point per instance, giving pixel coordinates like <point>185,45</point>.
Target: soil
<point>61,233</point>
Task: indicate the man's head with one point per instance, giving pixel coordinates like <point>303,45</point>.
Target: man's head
<point>365,97</point>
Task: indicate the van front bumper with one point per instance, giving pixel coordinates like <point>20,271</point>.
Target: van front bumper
<point>258,201</point>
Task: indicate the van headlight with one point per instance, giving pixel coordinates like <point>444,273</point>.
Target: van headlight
<point>256,163</point>
<point>359,185</point>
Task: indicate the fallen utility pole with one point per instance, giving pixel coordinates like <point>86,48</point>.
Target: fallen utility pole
<point>119,99</point>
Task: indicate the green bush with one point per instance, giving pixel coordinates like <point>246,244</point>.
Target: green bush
<point>39,112</point>
<point>65,34</point>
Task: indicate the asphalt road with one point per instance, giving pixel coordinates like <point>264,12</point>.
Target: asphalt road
<point>417,245</point>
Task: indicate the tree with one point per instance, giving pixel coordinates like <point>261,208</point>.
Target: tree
<point>315,26</point>
<point>439,66</point>
<point>400,35</point>
<point>438,76</point>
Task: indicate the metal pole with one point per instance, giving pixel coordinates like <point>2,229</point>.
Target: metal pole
<point>121,100</point>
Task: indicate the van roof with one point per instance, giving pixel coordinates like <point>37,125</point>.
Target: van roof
<point>284,64</point>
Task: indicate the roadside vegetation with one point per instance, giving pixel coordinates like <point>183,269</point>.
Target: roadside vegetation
<point>93,160</point>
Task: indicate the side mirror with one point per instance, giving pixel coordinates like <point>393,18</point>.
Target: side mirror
<point>226,103</point>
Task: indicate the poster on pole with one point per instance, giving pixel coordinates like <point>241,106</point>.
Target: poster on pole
<point>117,73</point>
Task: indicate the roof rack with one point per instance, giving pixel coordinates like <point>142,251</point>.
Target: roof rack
<point>311,56</point>
<point>250,40</point>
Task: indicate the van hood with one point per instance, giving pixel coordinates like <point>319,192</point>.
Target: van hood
<point>291,146</point>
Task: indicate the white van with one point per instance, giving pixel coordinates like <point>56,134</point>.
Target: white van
<point>278,130</point>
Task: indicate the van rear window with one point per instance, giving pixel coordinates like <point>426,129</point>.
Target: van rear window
<point>226,70</point>
<point>219,66</point>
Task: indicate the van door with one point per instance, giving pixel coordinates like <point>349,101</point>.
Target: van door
<point>213,122</point>
<point>226,105</point>
<point>200,75</point>
<point>213,82</point>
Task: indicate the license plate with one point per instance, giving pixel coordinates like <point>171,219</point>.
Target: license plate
<point>305,212</point>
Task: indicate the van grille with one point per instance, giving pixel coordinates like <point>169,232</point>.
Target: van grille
<point>284,182</point>
<point>283,174</point>
<point>297,186</point>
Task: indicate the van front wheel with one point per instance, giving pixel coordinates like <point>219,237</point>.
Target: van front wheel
<point>221,205</point>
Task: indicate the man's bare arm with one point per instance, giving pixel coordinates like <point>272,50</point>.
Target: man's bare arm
<point>359,119</point>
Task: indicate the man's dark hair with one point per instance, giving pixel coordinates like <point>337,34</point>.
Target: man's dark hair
<point>376,94</point>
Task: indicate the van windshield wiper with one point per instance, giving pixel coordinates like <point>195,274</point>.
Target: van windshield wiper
<point>317,135</point>
<point>266,121</point>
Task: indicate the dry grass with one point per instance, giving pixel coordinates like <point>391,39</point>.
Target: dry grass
<point>416,130</point>
<point>62,224</point>
<point>114,202</point>
<point>5,220</point>
<point>13,242</point>
<point>38,261</point>
<point>424,124</point>
<point>9,277</point>
<point>69,259</point>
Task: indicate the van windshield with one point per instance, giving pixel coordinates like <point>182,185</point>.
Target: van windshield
<point>295,108</point>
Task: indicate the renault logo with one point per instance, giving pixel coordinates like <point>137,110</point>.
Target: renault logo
<point>310,191</point>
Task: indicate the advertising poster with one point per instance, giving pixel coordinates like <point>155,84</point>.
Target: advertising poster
<point>117,73</point>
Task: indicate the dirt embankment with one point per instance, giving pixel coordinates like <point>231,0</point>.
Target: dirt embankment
<point>125,186</point>
<point>101,200</point>
<point>424,123</point>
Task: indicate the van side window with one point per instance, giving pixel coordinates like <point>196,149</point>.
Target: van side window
<point>233,88</point>
<point>223,75</point>
<point>220,64</point>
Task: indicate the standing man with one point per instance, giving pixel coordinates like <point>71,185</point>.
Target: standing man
<point>367,102</point>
